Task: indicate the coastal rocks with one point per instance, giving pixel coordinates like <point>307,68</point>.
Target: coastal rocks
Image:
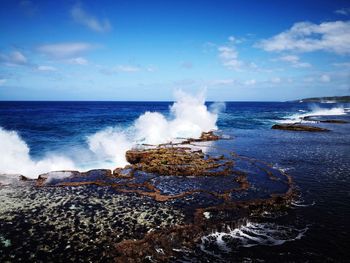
<point>298,127</point>
<point>153,210</point>
<point>180,161</point>
<point>334,121</point>
<point>316,119</point>
<point>205,137</point>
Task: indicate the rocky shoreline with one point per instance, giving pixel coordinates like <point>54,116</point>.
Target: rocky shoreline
<point>299,126</point>
<point>149,211</point>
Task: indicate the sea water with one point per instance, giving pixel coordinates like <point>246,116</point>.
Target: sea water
<point>86,135</point>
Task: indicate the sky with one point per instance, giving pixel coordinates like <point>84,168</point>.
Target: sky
<point>145,50</point>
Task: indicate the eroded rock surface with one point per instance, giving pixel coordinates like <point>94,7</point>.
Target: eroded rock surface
<point>181,161</point>
<point>149,211</point>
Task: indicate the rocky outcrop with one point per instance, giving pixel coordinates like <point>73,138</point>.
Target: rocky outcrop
<point>177,161</point>
<point>298,127</point>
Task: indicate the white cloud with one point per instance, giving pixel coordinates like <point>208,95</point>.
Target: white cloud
<point>307,37</point>
<point>18,57</point>
<point>187,64</point>
<point>14,58</point>
<point>294,61</point>
<point>343,11</point>
<point>46,68</point>
<point>127,68</point>
<point>235,40</point>
<point>229,57</point>
<point>309,79</point>
<point>250,82</point>
<point>221,82</point>
<point>325,78</point>
<point>64,50</point>
<point>82,17</point>
<point>151,69</point>
<point>276,80</point>
<point>78,61</point>
<point>2,82</point>
<point>342,64</point>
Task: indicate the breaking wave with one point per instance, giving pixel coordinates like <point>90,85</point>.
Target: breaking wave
<point>189,117</point>
<point>315,111</point>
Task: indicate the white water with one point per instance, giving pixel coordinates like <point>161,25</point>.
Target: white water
<point>189,117</point>
<point>250,234</point>
<point>15,158</point>
<point>315,111</point>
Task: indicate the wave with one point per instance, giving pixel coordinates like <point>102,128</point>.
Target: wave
<point>315,111</point>
<point>189,117</point>
<point>248,235</point>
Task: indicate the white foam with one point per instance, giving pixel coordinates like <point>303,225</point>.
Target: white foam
<point>15,158</point>
<point>315,111</point>
<point>251,234</point>
<point>189,117</point>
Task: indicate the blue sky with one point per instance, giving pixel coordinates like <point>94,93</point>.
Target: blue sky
<point>144,50</point>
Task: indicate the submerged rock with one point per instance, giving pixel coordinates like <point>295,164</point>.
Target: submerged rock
<point>298,127</point>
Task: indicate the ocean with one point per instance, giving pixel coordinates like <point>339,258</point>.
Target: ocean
<point>35,136</point>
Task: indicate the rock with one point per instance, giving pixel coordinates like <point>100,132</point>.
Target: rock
<point>177,161</point>
<point>334,121</point>
<point>205,136</point>
<point>298,127</point>
<point>316,119</point>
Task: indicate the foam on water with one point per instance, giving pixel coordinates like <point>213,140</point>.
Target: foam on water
<point>189,117</point>
<point>248,235</point>
<point>15,158</point>
<point>315,111</point>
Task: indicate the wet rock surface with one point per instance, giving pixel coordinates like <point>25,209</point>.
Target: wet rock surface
<point>153,210</point>
<point>298,127</point>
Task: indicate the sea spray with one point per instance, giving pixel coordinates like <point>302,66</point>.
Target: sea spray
<point>110,145</point>
<point>189,117</point>
<point>15,158</point>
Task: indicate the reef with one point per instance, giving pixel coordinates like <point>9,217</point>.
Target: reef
<point>154,210</point>
<point>298,127</point>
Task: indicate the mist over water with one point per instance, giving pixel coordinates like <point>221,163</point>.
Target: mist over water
<point>189,117</point>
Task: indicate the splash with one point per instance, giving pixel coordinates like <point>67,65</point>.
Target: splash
<point>189,117</point>
<point>15,158</point>
<point>315,111</point>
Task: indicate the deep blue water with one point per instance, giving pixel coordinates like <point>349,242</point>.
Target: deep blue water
<point>319,163</point>
<point>56,126</point>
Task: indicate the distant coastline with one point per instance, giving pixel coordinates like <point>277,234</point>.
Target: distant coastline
<point>333,99</point>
